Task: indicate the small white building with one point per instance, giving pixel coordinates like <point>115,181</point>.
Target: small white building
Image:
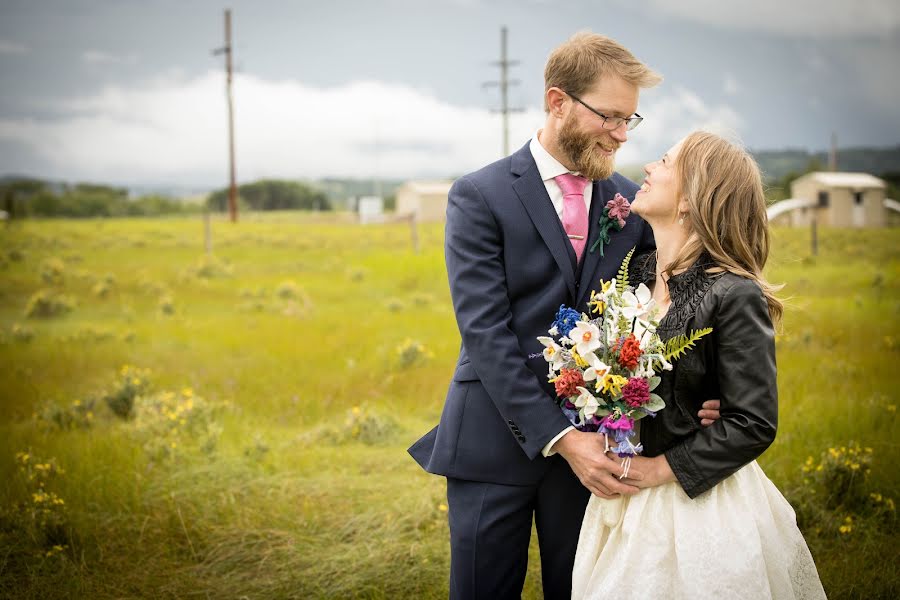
<point>427,200</point>
<point>839,200</point>
<point>370,209</point>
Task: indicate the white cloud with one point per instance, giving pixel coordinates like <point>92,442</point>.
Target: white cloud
<point>670,117</point>
<point>97,57</point>
<point>173,129</point>
<point>812,18</point>
<point>8,47</point>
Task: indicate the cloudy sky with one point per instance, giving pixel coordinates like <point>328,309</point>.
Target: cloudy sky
<point>128,91</point>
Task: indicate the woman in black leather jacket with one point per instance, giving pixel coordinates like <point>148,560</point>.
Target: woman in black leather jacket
<point>707,523</point>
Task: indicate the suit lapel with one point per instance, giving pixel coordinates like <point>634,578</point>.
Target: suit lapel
<point>603,192</point>
<point>533,194</point>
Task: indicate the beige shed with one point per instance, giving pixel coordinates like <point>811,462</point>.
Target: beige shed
<point>427,200</point>
<point>840,199</point>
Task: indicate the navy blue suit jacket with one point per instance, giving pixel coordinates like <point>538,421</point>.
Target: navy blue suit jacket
<point>510,267</point>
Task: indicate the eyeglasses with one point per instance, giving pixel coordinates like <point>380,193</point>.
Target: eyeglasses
<point>611,122</point>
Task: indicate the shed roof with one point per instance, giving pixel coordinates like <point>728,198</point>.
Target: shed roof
<point>845,180</point>
<point>428,187</point>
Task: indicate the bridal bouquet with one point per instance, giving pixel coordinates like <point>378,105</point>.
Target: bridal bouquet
<point>605,368</point>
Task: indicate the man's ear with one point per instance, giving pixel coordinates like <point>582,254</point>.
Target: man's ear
<point>556,100</point>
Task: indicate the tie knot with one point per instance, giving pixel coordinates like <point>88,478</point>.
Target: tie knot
<point>571,184</point>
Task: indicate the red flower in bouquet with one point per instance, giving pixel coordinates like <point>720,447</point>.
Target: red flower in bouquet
<point>630,353</point>
<point>567,383</point>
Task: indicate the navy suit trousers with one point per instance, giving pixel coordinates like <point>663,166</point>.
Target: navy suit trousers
<point>490,527</point>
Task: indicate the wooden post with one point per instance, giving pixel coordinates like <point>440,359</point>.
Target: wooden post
<point>207,232</point>
<point>413,232</point>
<point>814,233</point>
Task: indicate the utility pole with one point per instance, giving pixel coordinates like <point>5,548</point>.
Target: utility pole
<point>504,84</point>
<point>227,51</point>
<point>832,156</point>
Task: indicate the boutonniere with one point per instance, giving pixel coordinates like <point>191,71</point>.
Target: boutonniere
<point>614,215</point>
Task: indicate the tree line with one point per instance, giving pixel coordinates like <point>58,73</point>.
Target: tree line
<point>22,198</point>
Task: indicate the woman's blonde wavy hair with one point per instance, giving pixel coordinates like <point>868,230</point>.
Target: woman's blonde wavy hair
<point>723,188</point>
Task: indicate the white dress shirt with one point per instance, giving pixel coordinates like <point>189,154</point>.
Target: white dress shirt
<point>549,168</point>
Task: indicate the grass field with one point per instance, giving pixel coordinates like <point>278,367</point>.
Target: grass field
<point>265,454</point>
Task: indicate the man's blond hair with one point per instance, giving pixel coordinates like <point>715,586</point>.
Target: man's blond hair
<point>586,57</point>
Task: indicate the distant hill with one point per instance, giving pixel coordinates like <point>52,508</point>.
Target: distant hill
<point>775,164</point>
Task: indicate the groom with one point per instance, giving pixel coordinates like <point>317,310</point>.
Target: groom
<point>521,239</point>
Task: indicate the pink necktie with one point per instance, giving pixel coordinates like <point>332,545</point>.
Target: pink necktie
<point>575,216</point>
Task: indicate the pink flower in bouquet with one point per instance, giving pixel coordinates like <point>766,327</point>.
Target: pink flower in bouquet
<point>636,392</point>
<point>621,423</point>
<point>567,383</point>
<point>619,209</point>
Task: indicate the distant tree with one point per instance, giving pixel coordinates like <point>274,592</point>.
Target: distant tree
<point>37,198</point>
<point>273,194</point>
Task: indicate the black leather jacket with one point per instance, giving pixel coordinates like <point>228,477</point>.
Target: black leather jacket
<point>735,364</point>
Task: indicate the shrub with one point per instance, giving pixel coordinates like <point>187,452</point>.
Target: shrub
<point>77,415</point>
<point>835,497</point>
<point>167,422</point>
<point>411,353</point>
<point>287,290</point>
<point>53,271</point>
<point>22,333</point>
<point>45,304</point>
<point>131,383</point>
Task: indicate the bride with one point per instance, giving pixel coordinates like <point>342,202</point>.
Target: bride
<point>707,522</point>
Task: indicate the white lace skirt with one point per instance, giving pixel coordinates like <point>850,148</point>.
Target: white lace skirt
<point>738,540</point>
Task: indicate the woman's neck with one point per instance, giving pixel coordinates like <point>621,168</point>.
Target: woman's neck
<point>669,242</point>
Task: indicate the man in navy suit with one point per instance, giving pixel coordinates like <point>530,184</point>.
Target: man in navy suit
<point>507,451</point>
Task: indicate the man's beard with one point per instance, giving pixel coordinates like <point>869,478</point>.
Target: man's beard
<point>581,148</point>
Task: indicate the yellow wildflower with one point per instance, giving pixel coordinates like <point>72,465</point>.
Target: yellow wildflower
<point>580,362</point>
<point>847,527</point>
<point>875,497</point>
<point>188,392</point>
<point>442,507</point>
<point>613,384</point>
<point>355,411</point>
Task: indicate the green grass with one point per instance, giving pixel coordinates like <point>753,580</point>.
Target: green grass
<point>289,505</point>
